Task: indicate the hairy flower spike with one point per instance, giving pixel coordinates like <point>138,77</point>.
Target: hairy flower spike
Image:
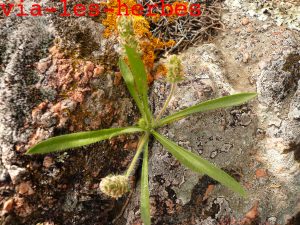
<point>115,186</point>
<point>175,70</point>
<point>126,32</point>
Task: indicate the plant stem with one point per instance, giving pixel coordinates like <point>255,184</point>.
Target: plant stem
<point>142,142</point>
<point>173,87</point>
<point>147,112</point>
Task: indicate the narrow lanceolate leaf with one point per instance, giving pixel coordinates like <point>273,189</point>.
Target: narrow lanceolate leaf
<point>74,140</point>
<point>138,70</point>
<point>140,76</point>
<point>199,165</point>
<point>145,201</point>
<point>129,80</point>
<point>223,102</point>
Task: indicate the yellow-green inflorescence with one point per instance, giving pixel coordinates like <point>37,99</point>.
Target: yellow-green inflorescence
<point>126,32</point>
<point>115,186</point>
<point>175,70</point>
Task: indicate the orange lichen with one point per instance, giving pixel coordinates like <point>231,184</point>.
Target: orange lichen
<point>155,18</point>
<point>148,44</point>
<point>160,71</point>
<point>111,18</point>
<point>72,80</point>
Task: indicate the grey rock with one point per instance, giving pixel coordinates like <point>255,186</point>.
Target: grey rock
<point>261,134</point>
<point>19,46</point>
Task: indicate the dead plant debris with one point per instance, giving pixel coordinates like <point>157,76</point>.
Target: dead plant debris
<point>187,30</point>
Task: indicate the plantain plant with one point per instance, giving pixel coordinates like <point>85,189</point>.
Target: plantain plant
<point>135,77</point>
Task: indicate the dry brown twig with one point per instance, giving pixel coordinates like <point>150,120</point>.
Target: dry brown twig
<point>187,30</point>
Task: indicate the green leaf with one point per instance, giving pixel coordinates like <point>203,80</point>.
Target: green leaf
<point>223,102</point>
<point>129,80</point>
<point>145,201</point>
<point>140,76</point>
<point>68,141</point>
<point>199,165</point>
<point>138,70</point>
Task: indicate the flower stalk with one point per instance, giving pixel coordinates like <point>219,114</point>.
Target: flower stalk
<point>139,150</point>
<point>162,111</point>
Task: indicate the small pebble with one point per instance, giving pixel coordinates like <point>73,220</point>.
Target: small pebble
<point>245,21</point>
<point>250,29</point>
<point>25,189</point>
<point>213,154</point>
<point>246,57</point>
<point>8,206</point>
<point>98,71</point>
<point>48,162</point>
<point>260,173</point>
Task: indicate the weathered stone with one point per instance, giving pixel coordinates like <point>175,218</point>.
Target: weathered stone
<point>37,85</point>
<point>261,134</point>
<point>43,94</point>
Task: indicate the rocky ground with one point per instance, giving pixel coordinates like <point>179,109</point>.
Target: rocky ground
<point>59,75</point>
